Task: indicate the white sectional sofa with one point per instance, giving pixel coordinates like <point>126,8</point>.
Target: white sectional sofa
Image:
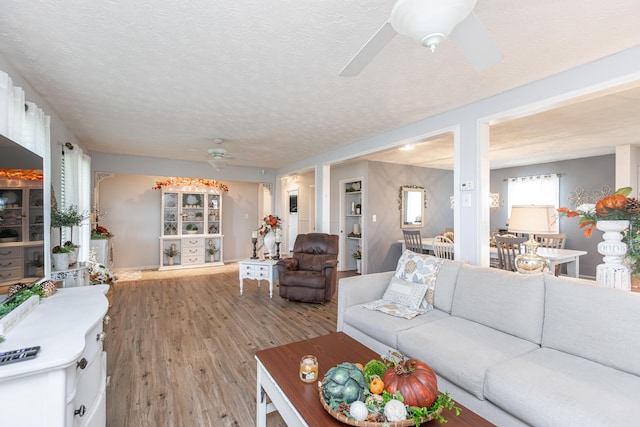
<point>517,349</point>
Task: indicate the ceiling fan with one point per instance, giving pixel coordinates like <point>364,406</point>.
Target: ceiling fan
<point>220,156</point>
<point>429,22</point>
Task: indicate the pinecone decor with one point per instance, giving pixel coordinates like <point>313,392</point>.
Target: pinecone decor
<point>633,206</point>
<point>49,287</point>
<point>15,288</point>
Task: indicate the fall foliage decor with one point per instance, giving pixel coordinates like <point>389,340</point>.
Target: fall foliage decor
<point>616,206</point>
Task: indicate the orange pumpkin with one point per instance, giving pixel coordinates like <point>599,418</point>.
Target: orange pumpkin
<point>415,380</point>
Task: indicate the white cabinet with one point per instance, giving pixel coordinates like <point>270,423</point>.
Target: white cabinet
<point>191,234</point>
<point>103,249</point>
<point>21,231</point>
<point>65,385</point>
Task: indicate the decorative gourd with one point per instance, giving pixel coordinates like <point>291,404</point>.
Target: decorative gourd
<point>358,410</point>
<point>344,382</point>
<point>395,410</point>
<point>415,380</point>
<point>376,386</point>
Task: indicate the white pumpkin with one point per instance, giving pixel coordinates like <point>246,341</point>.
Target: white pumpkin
<point>394,410</point>
<point>358,410</point>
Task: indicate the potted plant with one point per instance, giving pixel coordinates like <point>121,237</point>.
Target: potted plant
<point>192,228</point>
<point>38,265</point>
<point>60,257</point>
<point>171,252</point>
<point>67,218</point>
<point>358,256</point>
<point>212,251</point>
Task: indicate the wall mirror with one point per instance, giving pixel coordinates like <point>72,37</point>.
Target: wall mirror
<point>412,204</point>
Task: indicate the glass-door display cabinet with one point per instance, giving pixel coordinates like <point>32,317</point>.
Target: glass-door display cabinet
<point>191,228</point>
<point>21,230</point>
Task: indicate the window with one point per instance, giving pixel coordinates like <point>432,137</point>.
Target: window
<point>534,190</point>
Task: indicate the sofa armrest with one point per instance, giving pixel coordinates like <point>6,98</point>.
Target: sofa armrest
<point>359,290</point>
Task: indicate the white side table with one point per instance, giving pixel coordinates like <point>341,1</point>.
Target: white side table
<point>259,269</point>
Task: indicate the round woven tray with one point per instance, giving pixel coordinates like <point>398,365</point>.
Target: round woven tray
<point>352,422</point>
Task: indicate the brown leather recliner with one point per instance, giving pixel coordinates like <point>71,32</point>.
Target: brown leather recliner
<point>311,274</point>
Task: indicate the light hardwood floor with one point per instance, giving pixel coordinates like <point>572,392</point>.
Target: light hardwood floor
<point>181,345</point>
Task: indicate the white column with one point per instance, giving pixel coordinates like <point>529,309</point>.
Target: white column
<point>627,168</point>
<point>471,192</point>
<point>323,198</point>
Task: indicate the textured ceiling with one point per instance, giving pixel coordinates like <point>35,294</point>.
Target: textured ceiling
<point>163,78</point>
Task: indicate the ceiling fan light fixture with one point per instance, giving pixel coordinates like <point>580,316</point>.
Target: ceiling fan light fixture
<point>217,163</point>
<point>428,22</point>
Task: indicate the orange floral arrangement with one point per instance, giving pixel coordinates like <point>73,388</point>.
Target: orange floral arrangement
<point>270,222</point>
<point>191,181</point>
<point>616,206</point>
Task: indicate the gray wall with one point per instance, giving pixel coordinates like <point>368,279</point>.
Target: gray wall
<point>385,180</point>
<point>590,173</point>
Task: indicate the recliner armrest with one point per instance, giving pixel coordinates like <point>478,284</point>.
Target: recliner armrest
<point>332,263</point>
<point>288,264</point>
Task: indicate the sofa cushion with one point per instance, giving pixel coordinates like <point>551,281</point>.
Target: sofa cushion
<point>461,350</point>
<point>596,323</point>
<point>548,387</point>
<point>446,284</point>
<point>383,327</point>
<point>507,301</point>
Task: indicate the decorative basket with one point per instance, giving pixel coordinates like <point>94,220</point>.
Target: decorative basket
<point>352,422</point>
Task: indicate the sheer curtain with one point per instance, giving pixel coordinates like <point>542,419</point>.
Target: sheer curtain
<point>534,190</point>
<point>22,121</point>
<point>76,171</point>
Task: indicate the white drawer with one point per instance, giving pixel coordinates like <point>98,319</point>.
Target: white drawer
<point>10,253</point>
<point>10,274</point>
<point>193,259</point>
<point>256,271</point>
<point>192,241</point>
<point>88,404</point>
<point>192,251</point>
<point>93,344</point>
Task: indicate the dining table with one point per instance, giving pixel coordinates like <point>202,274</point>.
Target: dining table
<point>570,257</point>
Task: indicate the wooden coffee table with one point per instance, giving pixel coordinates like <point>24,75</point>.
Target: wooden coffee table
<point>299,403</point>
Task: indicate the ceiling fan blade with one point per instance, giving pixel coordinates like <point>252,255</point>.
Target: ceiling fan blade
<point>476,43</point>
<point>371,48</point>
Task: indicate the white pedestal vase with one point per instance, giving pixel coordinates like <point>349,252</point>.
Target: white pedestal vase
<point>269,241</point>
<point>358,265</point>
<point>613,273</point>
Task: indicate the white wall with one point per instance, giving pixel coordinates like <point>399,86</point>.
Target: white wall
<point>133,214</point>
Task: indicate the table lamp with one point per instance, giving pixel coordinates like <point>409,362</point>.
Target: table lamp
<point>532,219</point>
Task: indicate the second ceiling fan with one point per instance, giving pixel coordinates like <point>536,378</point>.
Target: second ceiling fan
<point>429,22</point>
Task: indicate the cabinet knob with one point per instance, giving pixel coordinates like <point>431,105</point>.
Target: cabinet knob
<point>80,411</point>
<point>82,363</point>
<point>107,319</point>
<point>101,336</point>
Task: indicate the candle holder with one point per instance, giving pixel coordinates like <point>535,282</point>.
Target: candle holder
<point>277,256</point>
<point>254,240</point>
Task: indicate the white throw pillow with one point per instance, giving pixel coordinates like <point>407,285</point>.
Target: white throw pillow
<point>394,309</point>
<point>420,269</point>
<point>405,293</point>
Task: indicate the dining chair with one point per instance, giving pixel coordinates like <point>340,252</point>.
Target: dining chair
<point>553,241</point>
<point>443,247</point>
<point>508,248</point>
<point>413,241</point>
